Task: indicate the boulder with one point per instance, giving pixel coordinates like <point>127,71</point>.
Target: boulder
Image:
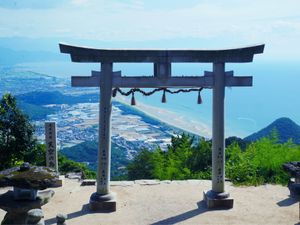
<point>17,211</point>
<point>293,168</point>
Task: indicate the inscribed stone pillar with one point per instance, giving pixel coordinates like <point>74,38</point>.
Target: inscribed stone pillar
<point>104,152</point>
<point>218,143</point>
<point>217,197</point>
<point>103,199</point>
<point>51,148</point>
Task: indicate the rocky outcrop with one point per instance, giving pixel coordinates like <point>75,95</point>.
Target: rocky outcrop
<point>28,177</point>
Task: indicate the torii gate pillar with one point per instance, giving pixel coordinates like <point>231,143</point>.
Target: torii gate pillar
<point>218,145</point>
<point>217,197</point>
<point>104,199</point>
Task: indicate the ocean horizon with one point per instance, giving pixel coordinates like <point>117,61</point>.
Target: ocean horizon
<point>274,93</point>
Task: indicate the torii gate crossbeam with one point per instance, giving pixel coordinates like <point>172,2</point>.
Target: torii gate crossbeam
<point>162,60</point>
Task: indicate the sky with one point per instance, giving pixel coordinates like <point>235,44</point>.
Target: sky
<point>35,25</point>
<point>159,23</point>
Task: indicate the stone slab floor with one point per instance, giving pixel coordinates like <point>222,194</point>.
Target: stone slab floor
<point>177,202</point>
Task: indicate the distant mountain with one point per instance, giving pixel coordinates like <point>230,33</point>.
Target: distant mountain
<point>17,81</point>
<point>35,112</point>
<point>285,127</point>
<point>56,97</point>
<point>9,57</point>
<point>32,103</point>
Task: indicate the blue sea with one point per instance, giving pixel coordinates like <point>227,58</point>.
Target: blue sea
<point>275,92</point>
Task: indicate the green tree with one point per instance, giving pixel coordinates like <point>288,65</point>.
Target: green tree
<point>201,156</point>
<point>158,160</point>
<point>16,133</point>
<point>238,165</point>
<point>178,157</point>
<point>261,162</point>
<point>66,165</point>
<point>183,160</point>
<point>36,155</point>
<point>142,166</point>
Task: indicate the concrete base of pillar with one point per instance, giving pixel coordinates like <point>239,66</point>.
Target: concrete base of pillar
<point>217,200</point>
<point>105,202</point>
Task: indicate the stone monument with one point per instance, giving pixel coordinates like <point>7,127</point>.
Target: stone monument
<point>162,77</point>
<point>51,149</point>
<point>35,217</point>
<point>26,181</point>
<point>293,168</point>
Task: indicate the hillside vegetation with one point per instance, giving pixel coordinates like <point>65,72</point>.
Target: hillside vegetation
<point>260,162</point>
<point>247,162</point>
<point>18,143</point>
<point>86,152</point>
<point>35,112</point>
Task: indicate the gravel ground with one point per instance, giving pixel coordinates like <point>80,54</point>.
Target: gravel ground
<point>176,202</point>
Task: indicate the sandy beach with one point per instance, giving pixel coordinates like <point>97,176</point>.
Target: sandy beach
<point>176,202</point>
<point>172,118</point>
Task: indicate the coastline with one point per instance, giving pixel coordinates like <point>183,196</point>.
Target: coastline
<point>171,118</point>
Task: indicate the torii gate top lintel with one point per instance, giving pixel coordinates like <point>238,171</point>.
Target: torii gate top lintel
<point>87,54</point>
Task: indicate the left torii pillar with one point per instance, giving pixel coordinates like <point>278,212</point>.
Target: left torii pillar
<point>103,198</point>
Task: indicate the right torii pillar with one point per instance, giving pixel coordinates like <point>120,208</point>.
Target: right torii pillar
<point>217,197</point>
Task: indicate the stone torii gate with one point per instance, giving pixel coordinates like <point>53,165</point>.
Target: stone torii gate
<point>106,79</point>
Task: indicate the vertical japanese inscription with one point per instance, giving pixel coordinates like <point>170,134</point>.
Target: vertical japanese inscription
<point>104,129</point>
<point>103,156</point>
<point>220,166</point>
<point>51,152</point>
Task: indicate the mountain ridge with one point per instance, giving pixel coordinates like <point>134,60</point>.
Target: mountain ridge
<point>284,127</point>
